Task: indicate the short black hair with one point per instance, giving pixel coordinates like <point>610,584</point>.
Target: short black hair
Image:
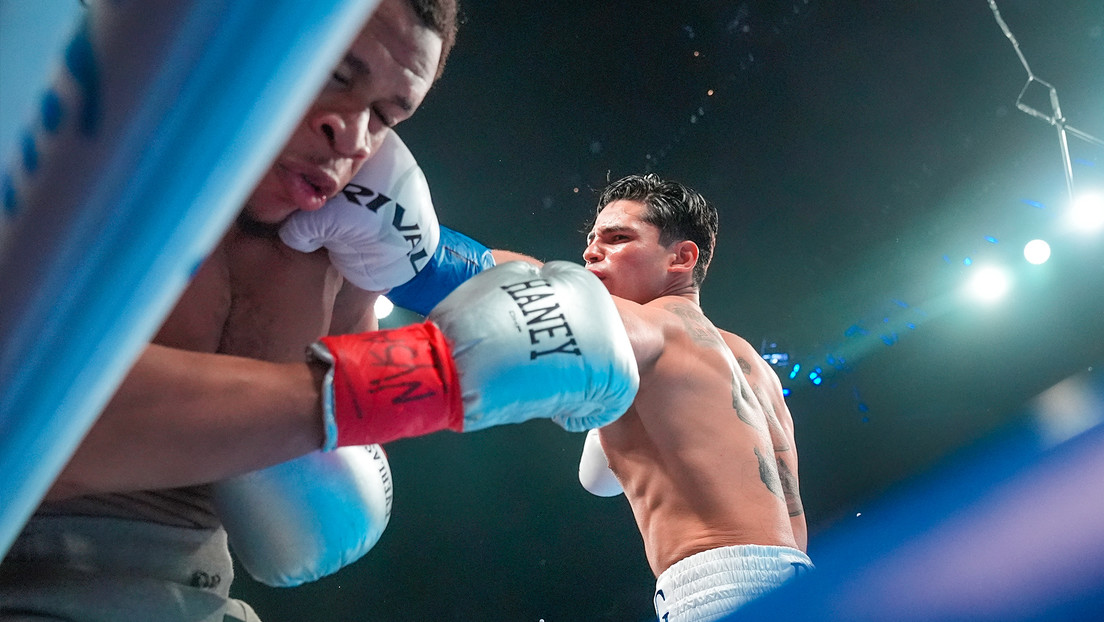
<point>678,211</point>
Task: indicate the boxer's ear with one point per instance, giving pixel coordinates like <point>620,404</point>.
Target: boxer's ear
<point>684,256</point>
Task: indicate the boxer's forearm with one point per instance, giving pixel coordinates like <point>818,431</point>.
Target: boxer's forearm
<point>502,256</point>
<point>182,418</point>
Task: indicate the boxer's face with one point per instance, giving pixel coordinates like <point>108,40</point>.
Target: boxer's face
<point>382,80</point>
<point>624,252</point>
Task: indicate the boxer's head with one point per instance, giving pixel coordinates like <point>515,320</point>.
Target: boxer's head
<point>650,235</point>
<point>380,82</point>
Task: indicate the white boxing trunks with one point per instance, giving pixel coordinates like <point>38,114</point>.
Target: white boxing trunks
<point>711,584</point>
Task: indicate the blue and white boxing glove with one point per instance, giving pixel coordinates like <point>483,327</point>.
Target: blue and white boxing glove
<point>457,259</point>
<point>382,233</point>
<point>594,472</point>
<point>381,229</point>
<point>306,518</point>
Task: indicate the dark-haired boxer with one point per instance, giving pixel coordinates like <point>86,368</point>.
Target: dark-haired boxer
<point>706,455</point>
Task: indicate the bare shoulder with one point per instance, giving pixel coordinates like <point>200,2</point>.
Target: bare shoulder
<point>746,354</point>
<point>762,377</point>
<point>655,327</point>
<point>687,317</point>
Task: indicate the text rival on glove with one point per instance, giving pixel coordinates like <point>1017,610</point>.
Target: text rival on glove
<point>412,233</point>
<point>526,294</point>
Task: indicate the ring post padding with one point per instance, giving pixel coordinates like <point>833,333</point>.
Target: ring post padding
<point>27,27</point>
<point>161,117</point>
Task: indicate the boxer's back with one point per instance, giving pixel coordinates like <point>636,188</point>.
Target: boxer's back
<point>696,454</point>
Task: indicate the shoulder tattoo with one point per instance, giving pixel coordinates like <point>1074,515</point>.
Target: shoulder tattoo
<point>741,401</point>
<point>696,325</point>
<point>744,365</point>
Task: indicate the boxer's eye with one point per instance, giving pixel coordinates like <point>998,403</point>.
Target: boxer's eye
<point>383,117</point>
<point>341,78</point>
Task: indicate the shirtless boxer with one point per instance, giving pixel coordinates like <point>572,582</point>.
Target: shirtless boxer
<point>706,454</point>
<point>130,531</point>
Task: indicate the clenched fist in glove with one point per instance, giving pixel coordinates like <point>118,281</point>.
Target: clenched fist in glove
<point>514,343</point>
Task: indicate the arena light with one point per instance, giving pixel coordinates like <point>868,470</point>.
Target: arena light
<point>815,376</point>
<point>773,354</point>
<point>1086,215</point>
<point>1037,252</point>
<point>383,307</point>
<point>988,284</point>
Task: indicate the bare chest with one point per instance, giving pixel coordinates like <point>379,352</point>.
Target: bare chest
<point>255,298</point>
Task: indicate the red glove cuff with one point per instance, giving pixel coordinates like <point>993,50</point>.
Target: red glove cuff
<point>391,384</point>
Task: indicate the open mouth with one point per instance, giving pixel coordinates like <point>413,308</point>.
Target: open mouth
<point>310,183</point>
<point>309,188</point>
<point>321,183</point>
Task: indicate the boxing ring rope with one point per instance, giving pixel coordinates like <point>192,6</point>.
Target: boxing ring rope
<point>161,117</point>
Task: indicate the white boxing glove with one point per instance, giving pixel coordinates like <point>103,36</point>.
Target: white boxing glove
<point>381,229</point>
<point>594,472</point>
<point>307,518</point>
<point>513,343</point>
<point>533,341</point>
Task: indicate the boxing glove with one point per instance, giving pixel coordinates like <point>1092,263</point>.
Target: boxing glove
<point>381,229</point>
<point>594,472</point>
<point>307,518</point>
<point>513,343</point>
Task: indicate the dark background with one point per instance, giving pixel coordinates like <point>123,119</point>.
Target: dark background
<point>859,153</point>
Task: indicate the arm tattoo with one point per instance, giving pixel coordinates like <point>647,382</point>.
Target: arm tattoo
<point>769,475</point>
<point>789,486</point>
<point>745,367</point>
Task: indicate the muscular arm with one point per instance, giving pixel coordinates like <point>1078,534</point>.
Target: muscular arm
<point>182,418</point>
<point>502,256</point>
<point>645,325</point>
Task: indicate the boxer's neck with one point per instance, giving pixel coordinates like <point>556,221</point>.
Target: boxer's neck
<point>255,228</point>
